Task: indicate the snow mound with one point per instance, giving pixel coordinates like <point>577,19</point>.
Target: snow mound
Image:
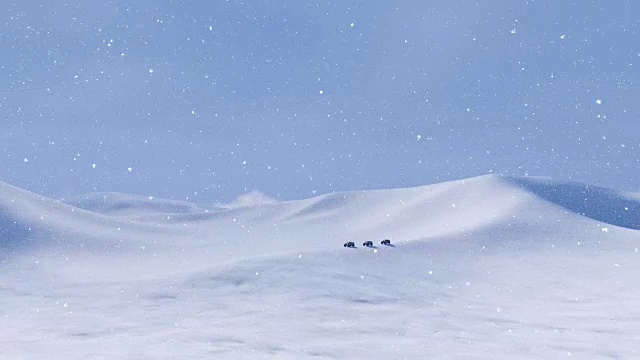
<point>253,198</point>
<point>456,207</point>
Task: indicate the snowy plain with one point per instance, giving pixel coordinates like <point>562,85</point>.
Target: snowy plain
<point>483,268</point>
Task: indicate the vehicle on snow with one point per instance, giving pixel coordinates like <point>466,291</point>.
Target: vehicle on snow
<point>349,244</point>
<point>367,243</point>
<point>386,242</point>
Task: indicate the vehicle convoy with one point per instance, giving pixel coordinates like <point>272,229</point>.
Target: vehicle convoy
<point>368,243</point>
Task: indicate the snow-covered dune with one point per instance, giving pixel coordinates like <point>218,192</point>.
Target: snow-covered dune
<point>30,222</point>
<point>502,207</point>
<point>117,204</point>
<point>487,267</point>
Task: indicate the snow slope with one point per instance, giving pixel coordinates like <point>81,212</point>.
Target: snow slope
<point>487,267</point>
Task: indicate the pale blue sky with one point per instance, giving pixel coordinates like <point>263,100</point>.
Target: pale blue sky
<point>209,99</point>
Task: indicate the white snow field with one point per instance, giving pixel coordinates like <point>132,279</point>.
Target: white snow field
<point>485,268</point>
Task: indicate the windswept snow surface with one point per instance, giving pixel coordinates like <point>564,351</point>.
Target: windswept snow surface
<point>488,267</point>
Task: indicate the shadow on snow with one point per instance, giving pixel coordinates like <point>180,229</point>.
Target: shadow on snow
<point>594,202</point>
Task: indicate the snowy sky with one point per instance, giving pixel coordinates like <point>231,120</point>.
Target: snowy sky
<point>210,99</point>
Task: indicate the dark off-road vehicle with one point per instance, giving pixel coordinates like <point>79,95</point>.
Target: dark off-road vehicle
<point>349,244</point>
<point>386,242</point>
<point>367,243</point>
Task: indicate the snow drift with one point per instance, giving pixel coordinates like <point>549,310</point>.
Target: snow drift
<point>491,266</point>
